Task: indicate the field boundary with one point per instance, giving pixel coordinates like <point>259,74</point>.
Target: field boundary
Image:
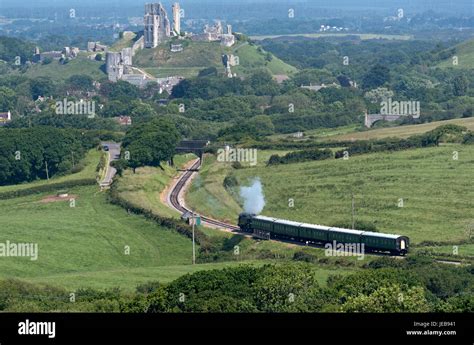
<point>47,188</point>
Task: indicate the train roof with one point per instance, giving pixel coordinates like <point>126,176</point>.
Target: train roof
<point>269,219</point>
<point>315,226</point>
<point>287,222</point>
<point>346,231</point>
<point>377,234</point>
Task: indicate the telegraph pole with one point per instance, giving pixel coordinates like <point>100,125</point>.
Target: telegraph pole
<point>47,170</point>
<point>194,244</point>
<point>353,212</point>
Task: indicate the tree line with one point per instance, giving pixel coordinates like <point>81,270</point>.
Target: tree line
<point>40,153</point>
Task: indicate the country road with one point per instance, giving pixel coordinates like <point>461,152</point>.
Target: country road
<point>114,154</point>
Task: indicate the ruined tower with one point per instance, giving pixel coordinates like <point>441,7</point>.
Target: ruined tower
<point>176,18</point>
<point>157,25</point>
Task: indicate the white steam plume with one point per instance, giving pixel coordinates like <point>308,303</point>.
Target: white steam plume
<point>254,200</point>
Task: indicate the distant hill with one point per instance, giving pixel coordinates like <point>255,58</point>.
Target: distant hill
<point>465,54</point>
<point>196,56</point>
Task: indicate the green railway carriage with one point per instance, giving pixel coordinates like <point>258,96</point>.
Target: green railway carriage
<point>279,229</point>
<point>316,233</point>
<point>262,223</point>
<point>393,243</point>
<point>344,235</point>
<point>286,228</point>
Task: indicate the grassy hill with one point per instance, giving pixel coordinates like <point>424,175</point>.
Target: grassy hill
<point>465,54</point>
<point>252,57</point>
<point>197,56</point>
<point>80,65</point>
<point>125,41</point>
<point>431,184</point>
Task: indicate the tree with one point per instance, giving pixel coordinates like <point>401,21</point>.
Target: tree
<point>460,85</point>
<point>283,288</point>
<point>41,86</point>
<point>376,76</point>
<point>8,99</point>
<point>151,143</point>
<point>389,299</point>
<point>98,57</point>
<point>120,165</point>
<point>80,82</point>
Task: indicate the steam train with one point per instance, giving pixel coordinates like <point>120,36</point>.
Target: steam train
<point>267,227</point>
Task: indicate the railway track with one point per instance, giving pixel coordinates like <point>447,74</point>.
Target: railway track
<point>178,188</point>
<point>175,203</point>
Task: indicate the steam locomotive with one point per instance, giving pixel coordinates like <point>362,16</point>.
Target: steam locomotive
<point>268,227</point>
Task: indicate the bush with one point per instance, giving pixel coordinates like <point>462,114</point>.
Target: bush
<point>230,181</point>
<point>302,256</point>
<point>301,156</point>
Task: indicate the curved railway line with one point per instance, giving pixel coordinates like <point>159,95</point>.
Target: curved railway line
<point>174,202</point>
<point>178,188</point>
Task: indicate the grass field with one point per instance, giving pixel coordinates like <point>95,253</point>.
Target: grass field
<point>185,72</point>
<point>90,237</point>
<point>436,192</point>
<point>320,35</point>
<point>462,250</point>
<point>145,186</point>
<point>90,164</point>
<point>80,65</point>
<point>398,131</point>
<point>465,54</point>
<point>251,58</point>
<point>130,278</point>
<point>86,245</point>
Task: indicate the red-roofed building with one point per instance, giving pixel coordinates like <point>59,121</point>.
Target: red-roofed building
<point>124,120</point>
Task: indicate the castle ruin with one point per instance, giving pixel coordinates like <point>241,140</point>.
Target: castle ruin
<point>157,25</point>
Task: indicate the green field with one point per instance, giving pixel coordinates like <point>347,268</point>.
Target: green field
<point>436,192</point>
<point>145,186</point>
<point>398,131</point>
<point>80,65</point>
<point>465,54</point>
<point>251,58</point>
<point>462,250</point>
<point>87,245</point>
<point>185,72</point>
<point>90,237</point>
